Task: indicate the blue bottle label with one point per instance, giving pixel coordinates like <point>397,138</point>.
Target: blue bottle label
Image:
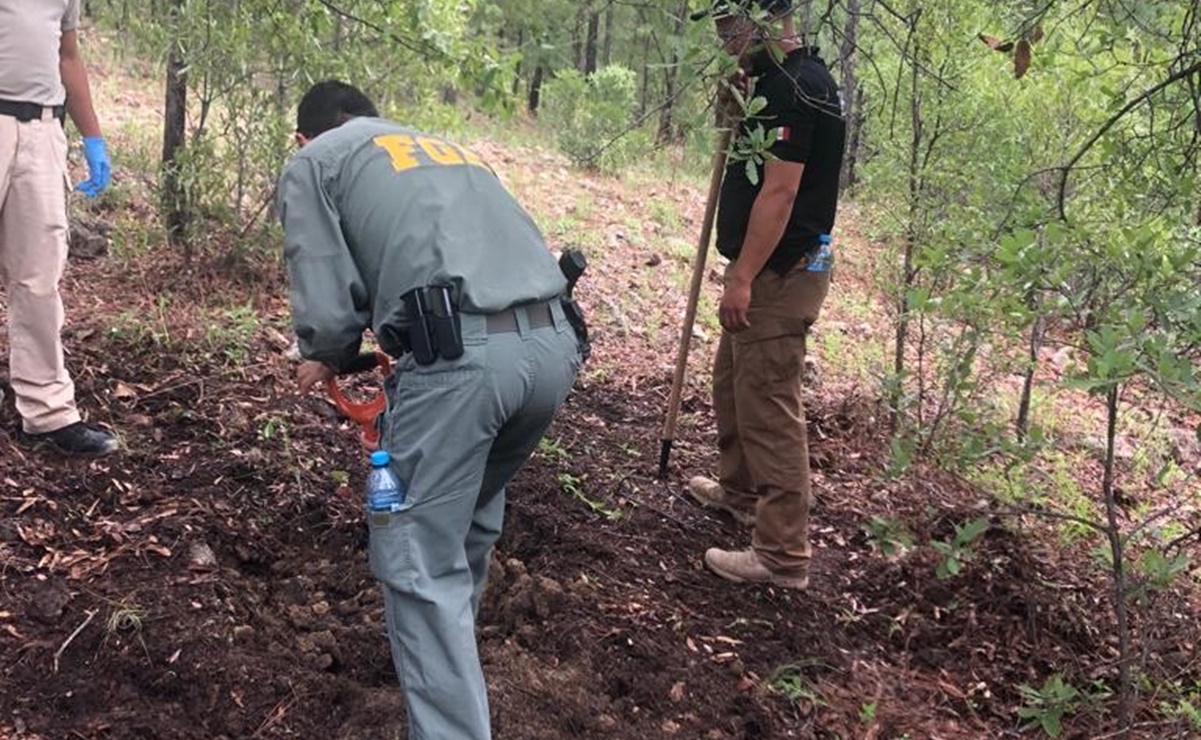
<point>823,260</point>
<point>385,492</point>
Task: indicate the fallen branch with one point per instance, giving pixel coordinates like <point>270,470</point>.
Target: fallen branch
<point>73,635</point>
<point>1023,510</point>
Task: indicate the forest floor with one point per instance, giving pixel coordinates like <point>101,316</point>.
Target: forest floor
<point>211,580</point>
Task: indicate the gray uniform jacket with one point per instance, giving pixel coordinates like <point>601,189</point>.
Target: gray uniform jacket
<point>371,210</point>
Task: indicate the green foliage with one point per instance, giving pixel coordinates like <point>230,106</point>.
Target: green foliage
<point>1046,707</point>
<point>1155,572</point>
<point>230,332</point>
<point>755,138</point>
<point>248,63</point>
<point>959,549</point>
<point>867,713</point>
<point>573,485</point>
<point>790,681</point>
<point>552,450</point>
<point>591,117</point>
<point>890,536</point>
<point>1184,704</point>
<point>961,154</point>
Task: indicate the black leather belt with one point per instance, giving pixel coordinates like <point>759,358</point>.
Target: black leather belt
<point>538,315</point>
<point>26,112</point>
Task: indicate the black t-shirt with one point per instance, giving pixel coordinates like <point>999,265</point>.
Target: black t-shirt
<point>804,104</point>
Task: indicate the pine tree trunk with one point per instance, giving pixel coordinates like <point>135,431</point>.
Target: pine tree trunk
<point>535,90</point>
<point>607,49</point>
<point>908,271</point>
<point>850,94</point>
<point>670,79</point>
<point>591,43</point>
<point>174,203</point>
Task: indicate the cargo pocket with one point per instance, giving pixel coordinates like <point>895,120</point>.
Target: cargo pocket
<point>390,548</point>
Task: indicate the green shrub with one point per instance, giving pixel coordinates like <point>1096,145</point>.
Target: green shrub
<point>591,116</point>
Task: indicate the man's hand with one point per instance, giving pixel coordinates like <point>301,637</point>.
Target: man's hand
<point>735,309</point>
<point>310,373</point>
<point>100,169</point>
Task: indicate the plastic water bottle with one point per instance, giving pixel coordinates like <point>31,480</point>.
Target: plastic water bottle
<point>824,259</point>
<point>385,492</point>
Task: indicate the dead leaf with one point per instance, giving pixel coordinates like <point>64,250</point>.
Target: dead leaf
<point>38,533</point>
<point>157,549</point>
<point>677,692</point>
<point>1036,34</point>
<point>995,43</point>
<point>124,391</point>
<point>1021,59</point>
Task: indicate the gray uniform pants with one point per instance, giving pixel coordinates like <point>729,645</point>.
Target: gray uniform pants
<point>458,431</point>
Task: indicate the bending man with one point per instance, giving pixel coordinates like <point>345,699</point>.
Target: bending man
<point>383,224</point>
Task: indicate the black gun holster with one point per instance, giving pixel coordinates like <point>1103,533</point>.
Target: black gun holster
<point>434,328</point>
<point>575,317</point>
<point>573,264</point>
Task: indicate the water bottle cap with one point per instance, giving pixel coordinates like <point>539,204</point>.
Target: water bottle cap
<point>824,239</point>
<point>380,458</point>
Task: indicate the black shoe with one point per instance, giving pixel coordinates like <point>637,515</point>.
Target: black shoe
<point>75,440</point>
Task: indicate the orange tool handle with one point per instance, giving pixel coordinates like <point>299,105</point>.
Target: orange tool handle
<point>363,414</point>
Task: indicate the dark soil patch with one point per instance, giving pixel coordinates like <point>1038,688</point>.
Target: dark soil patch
<point>211,582</point>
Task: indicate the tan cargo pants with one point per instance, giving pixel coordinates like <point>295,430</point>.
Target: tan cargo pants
<point>761,436</point>
<point>33,255</point>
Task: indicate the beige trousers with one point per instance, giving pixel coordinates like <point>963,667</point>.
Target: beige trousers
<point>760,412</point>
<point>33,255</point>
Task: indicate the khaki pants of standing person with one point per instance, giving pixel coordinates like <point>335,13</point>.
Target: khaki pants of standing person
<point>33,254</point>
<point>761,436</point>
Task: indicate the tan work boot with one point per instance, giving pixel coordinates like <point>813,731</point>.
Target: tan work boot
<point>744,566</point>
<point>710,493</point>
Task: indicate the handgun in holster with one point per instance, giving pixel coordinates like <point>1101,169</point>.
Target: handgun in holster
<point>573,264</point>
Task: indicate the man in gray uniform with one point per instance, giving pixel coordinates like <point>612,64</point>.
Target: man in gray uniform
<point>372,212</point>
<point>42,78</point>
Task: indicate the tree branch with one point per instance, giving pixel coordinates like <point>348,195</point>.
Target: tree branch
<point>1066,170</point>
<point>416,48</point>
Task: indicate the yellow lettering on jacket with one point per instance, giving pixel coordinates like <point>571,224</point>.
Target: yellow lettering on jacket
<point>407,152</point>
<point>400,148</point>
<point>439,151</point>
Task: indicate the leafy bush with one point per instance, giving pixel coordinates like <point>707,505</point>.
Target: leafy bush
<point>591,116</point>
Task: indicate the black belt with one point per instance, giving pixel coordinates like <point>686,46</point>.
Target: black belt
<point>539,316</point>
<point>26,112</point>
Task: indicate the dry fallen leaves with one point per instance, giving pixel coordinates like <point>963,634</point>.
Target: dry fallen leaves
<point>1021,58</point>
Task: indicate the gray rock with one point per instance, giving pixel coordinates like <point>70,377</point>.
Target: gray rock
<point>1185,446</point>
<point>88,237</point>
<point>812,374</point>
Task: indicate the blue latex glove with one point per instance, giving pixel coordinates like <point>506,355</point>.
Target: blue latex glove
<point>100,169</point>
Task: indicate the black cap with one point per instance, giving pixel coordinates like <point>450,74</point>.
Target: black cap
<point>721,8</point>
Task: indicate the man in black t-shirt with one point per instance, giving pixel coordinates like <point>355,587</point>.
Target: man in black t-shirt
<point>773,223</point>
